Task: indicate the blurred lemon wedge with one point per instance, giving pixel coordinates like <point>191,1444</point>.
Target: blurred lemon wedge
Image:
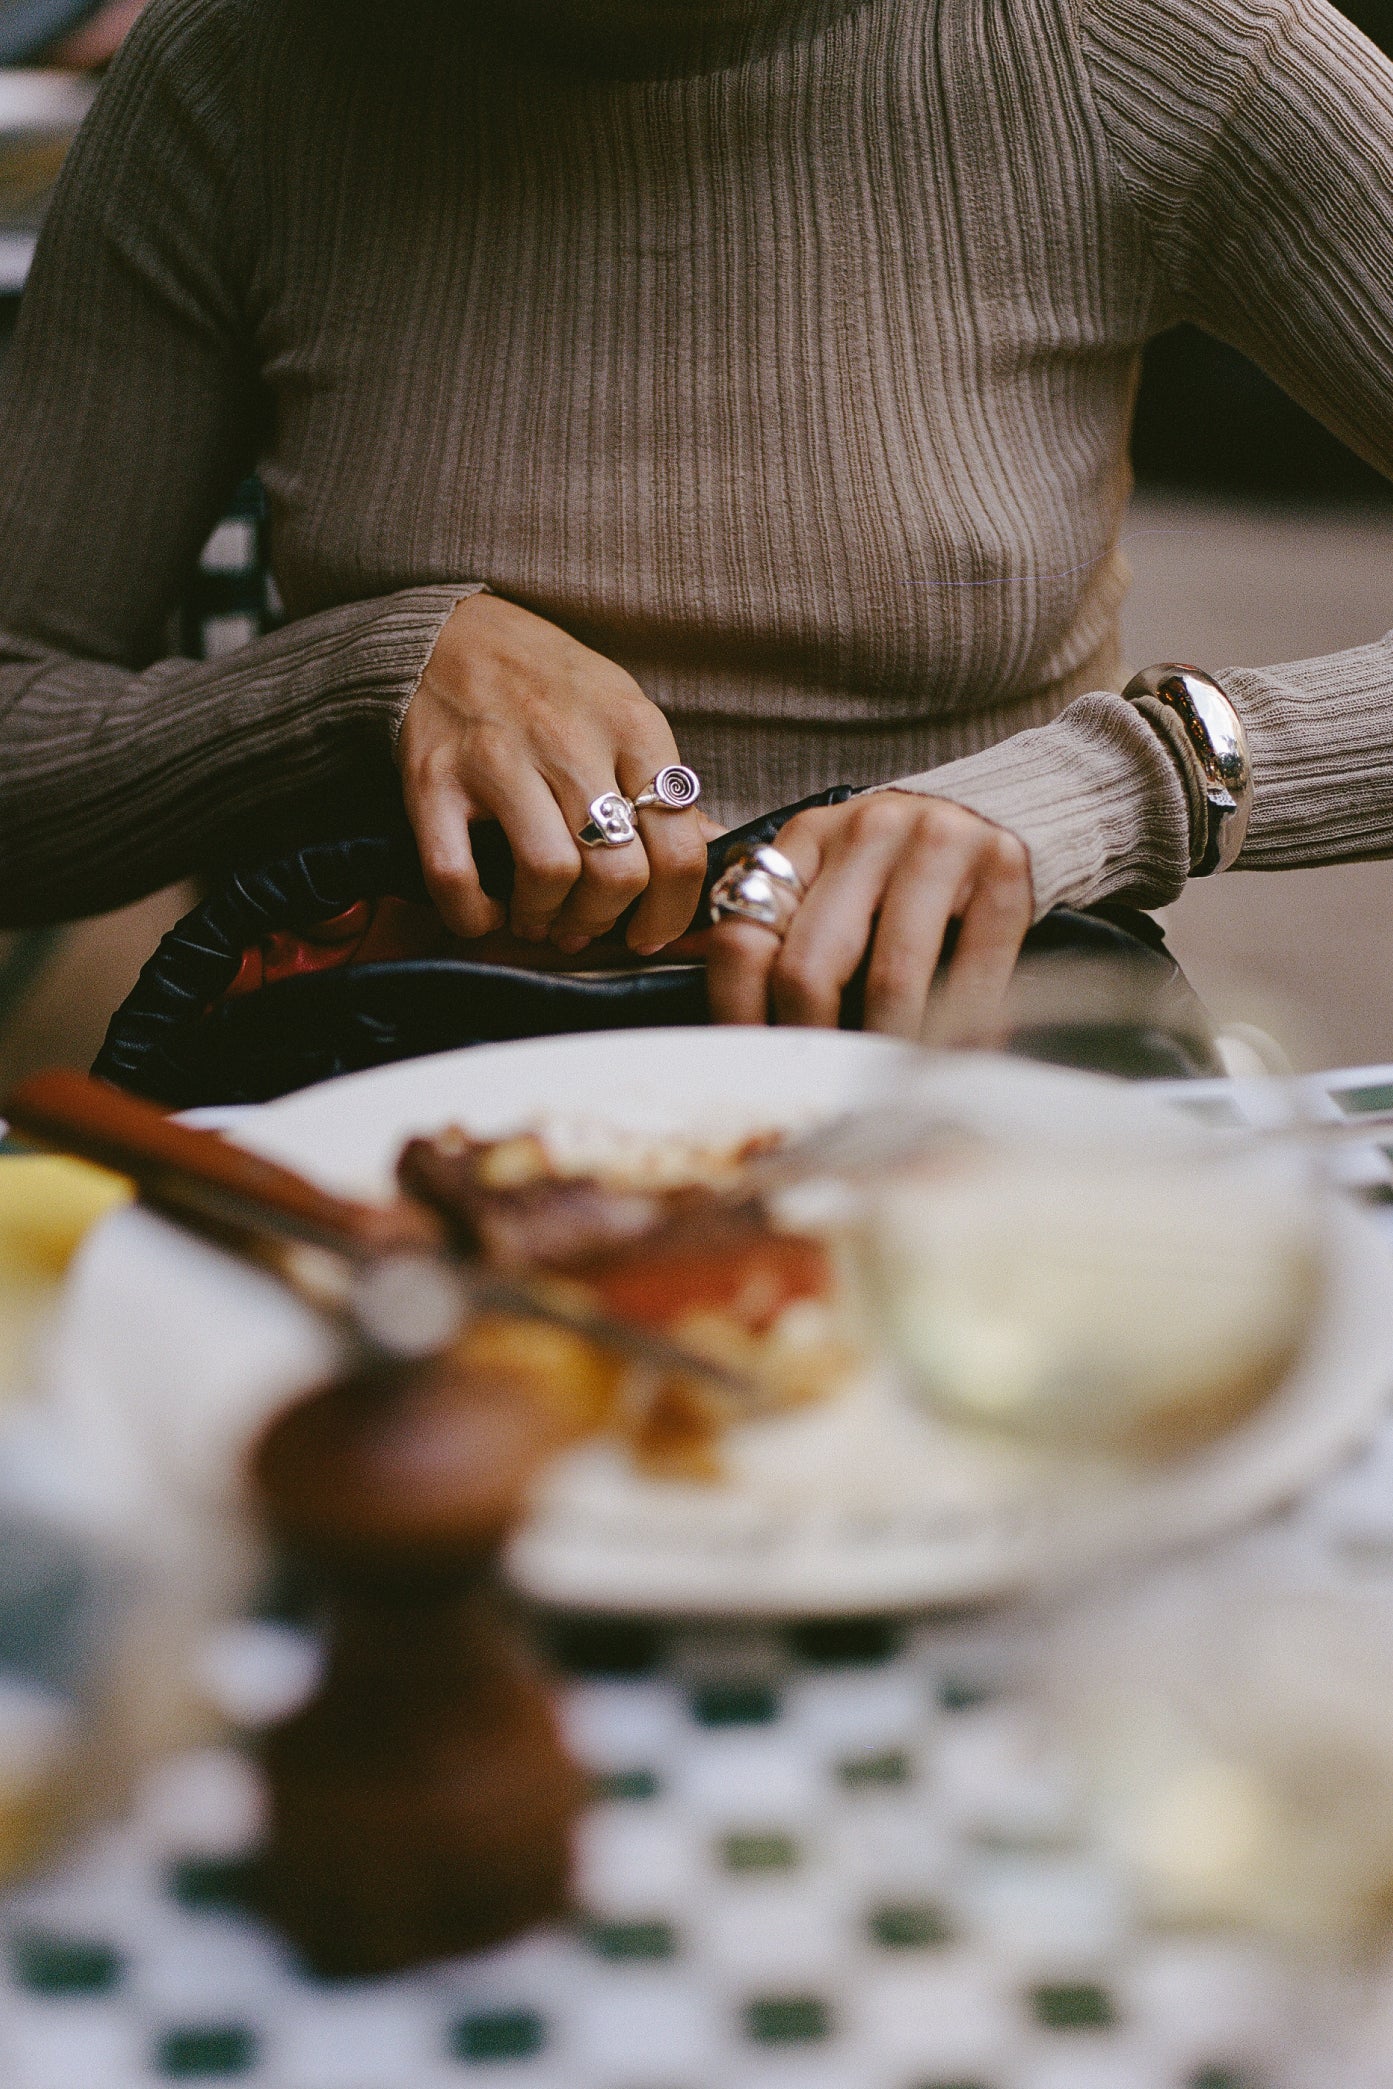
<point>47,1205</point>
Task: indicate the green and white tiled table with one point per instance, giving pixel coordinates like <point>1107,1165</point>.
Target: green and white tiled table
<point>833,1861</point>
<point>829,1857</point>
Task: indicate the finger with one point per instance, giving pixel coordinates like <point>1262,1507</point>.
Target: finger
<point>610,880</point>
<point>966,1009</point>
<point>673,842</point>
<point>439,814</point>
<point>546,857</point>
<point>676,867</point>
<point>832,927</point>
<point>739,960</point>
<point>919,902</point>
<point>741,955</point>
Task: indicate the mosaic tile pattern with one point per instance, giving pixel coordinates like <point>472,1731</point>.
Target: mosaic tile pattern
<point>833,1857</point>
<point>751,1918</point>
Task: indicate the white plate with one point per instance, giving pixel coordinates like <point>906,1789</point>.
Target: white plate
<point>171,1357</point>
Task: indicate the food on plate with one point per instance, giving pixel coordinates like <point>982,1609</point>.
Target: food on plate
<point>1138,1303</point>
<point>649,1233</point>
<point>1135,1304</point>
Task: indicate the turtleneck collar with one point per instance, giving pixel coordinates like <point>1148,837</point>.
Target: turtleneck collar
<point>655,39</point>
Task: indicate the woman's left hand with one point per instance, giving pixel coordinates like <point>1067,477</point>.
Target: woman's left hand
<point>890,870</point>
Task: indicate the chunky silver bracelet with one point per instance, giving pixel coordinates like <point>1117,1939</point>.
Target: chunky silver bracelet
<point>1215,732</point>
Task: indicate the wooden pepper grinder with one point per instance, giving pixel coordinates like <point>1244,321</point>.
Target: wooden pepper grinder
<point>422,1802</point>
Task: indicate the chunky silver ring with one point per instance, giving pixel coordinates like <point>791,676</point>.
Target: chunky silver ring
<point>752,895</point>
<point>611,822</point>
<point>773,862</point>
<point>672,790</point>
<point>758,885</point>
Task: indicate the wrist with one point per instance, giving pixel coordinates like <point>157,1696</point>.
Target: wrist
<point>441,631</point>
<point>1095,796</point>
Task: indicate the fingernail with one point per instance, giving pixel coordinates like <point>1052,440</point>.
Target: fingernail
<point>645,949</point>
<point>570,945</point>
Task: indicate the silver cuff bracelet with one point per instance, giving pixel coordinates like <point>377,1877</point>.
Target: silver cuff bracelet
<point>1215,732</point>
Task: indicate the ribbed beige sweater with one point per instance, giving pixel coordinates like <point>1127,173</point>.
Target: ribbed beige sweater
<point>784,352</point>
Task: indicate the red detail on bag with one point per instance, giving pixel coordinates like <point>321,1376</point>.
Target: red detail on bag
<point>384,931</point>
<point>370,932</point>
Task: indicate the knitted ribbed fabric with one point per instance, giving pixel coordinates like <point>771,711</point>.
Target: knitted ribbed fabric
<point>783,352</point>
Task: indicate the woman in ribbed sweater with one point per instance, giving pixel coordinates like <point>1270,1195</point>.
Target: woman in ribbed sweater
<point>739,382</point>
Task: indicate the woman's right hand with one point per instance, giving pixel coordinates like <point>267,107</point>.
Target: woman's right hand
<point>514,720</point>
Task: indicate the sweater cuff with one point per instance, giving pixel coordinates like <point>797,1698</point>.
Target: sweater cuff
<point>1096,796</point>
<point>394,651</point>
<point>190,764</point>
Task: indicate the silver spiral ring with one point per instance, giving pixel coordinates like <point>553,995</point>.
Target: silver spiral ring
<point>673,789</point>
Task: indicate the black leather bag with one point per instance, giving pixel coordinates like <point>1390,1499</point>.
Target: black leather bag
<point>180,1039</point>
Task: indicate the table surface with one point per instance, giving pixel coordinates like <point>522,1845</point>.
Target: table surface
<point>824,1857</point>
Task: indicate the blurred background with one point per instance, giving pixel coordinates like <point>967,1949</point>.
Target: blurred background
<point>1254,537</point>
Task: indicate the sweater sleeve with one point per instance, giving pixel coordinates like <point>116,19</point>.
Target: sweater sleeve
<point>1254,142</point>
<point>131,407</point>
